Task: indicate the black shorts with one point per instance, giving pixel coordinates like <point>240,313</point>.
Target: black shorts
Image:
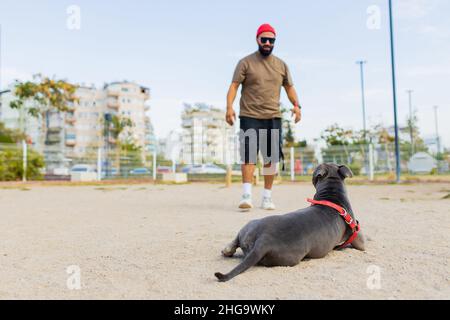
<point>260,135</point>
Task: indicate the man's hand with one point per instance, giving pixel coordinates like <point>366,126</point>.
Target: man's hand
<point>231,116</point>
<point>298,114</point>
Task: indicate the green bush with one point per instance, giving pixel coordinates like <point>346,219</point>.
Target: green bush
<point>11,165</point>
<point>356,168</point>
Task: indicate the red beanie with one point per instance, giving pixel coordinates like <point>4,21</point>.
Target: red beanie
<point>265,28</point>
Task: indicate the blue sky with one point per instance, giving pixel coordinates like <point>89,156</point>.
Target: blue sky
<point>187,51</point>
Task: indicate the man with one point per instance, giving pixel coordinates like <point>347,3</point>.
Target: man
<point>261,75</point>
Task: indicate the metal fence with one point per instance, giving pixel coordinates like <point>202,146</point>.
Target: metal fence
<point>21,162</point>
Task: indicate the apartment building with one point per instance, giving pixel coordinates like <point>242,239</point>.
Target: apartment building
<point>79,131</point>
<point>206,137</point>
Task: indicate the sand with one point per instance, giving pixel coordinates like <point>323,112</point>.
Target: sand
<point>164,242</point>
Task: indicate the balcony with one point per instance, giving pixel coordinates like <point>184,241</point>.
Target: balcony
<point>114,93</point>
<point>71,120</point>
<point>52,139</point>
<point>187,123</point>
<point>54,128</point>
<point>113,104</point>
<point>71,143</point>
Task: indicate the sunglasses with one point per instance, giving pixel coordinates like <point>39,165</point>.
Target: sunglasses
<point>265,39</point>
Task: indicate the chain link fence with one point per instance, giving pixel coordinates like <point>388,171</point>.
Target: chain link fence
<point>22,162</point>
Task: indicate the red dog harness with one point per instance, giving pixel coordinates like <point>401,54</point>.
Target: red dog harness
<point>352,223</point>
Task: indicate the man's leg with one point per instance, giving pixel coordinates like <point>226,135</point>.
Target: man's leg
<point>268,178</point>
<point>249,149</point>
<point>271,154</point>
<point>248,171</point>
<point>247,180</point>
<point>269,173</point>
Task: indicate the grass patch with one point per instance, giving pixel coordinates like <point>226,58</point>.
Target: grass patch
<point>110,189</point>
<point>446,197</point>
<point>21,188</point>
<point>385,199</point>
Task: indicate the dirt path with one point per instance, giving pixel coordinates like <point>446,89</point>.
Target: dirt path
<point>164,242</point>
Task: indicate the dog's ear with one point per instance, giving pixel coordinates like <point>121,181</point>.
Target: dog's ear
<point>320,172</point>
<point>345,172</point>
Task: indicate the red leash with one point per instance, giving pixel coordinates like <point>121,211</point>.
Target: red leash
<point>352,223</point>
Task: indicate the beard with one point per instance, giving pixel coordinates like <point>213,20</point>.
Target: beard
<point>265,53</point>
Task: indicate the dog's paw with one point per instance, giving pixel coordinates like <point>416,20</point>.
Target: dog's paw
<point>221,277</point>
<point>228,253</point>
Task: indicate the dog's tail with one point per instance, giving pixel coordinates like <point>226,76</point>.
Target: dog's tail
<point>251,259</point>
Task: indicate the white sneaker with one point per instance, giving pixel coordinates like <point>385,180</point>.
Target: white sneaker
<point>246,202</point>
<point>267,204</point>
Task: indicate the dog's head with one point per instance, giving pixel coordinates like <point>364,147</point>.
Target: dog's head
<point>331,171</point>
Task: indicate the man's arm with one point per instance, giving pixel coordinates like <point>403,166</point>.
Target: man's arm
<point>231,96</point>
<point>293,97</point>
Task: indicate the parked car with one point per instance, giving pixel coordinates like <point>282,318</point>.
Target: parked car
<point>83,168</point>
<point>206,169</point>
<point>186,168</point>
<point>236,170</point>
<point>110,172</point>
<point>140,172</point>
<point>61,171</point>
<point>163,169</point>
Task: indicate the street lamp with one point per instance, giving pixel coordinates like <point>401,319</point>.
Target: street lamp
<point>438,141</point>
<point>361,65</point>
<point>411,134</point>
<point>1,39</point>
<point>394,94</point>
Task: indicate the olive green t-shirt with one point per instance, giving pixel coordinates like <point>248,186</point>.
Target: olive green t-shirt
<point>261,78</point>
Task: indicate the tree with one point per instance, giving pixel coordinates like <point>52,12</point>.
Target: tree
<point>39,97</point>
<point>289,139</point>
<point>337,136</point>
<point>10,135</point>
<point>114,129</point>
<point>339,139</point>
<point>11,164</point>
<point>417,144</point>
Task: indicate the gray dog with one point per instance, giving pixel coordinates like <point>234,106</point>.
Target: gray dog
<point>307,233</point>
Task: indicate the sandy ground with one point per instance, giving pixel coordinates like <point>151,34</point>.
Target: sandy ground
<point>164,242</point>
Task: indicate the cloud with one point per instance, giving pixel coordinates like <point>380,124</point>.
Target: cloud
<point>433,31</point>
<point>415,9</point>
<point>428,71</point>
<point>355,96</point>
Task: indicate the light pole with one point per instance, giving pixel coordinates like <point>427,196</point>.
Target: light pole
<point>1,39</point>
<point>394,94</point>
<point>411,134</point>
<point>1,58</point>
<point>438,142</point>
<point>361,65</point>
